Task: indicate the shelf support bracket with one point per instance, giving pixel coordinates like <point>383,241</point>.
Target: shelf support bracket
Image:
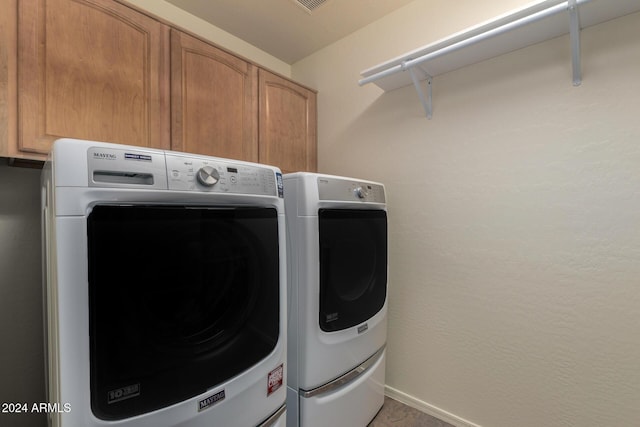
<point>426,101</point>
<point>574,33</point>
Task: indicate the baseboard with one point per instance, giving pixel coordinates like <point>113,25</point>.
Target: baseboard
<point>427,408</point>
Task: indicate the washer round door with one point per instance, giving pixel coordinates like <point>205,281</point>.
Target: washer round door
<point>353,266</point>
<point>181,299</point>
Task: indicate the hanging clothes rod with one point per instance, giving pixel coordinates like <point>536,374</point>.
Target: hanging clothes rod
<point>474,39</point>
<point>417,60</point>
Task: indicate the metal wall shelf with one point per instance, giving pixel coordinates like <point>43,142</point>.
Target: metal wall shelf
<point>524,27</point>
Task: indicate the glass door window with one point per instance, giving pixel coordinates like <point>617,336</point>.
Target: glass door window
<point>181,299</point>
<point>353,266</point>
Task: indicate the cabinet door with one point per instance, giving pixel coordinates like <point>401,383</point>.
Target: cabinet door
<point>91,69</point>
<point>287,137</point>
<point>213,100</point>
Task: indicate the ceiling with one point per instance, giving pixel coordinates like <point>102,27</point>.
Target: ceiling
<point>285,28</point>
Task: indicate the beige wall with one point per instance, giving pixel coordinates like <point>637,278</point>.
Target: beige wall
<point>514,217</point>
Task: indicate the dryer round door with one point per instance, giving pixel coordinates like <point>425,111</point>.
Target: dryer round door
<point>353,266</point>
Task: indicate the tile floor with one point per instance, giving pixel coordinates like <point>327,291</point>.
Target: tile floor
<point>396,414</point>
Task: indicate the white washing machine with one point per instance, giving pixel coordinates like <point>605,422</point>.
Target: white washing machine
<point>337,260</point>
<point>165,289</point>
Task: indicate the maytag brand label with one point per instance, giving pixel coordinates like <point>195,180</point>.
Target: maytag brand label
<point>275,379</point>
<point>210,401</point>
<point>123,393</point>
<point>104,156</point>
<point>363,328</point>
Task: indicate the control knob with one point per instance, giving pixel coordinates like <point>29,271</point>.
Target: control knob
<point>208,176</point>
<point>361,193</point>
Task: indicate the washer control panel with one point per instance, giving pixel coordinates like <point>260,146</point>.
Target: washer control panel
<point>332,188</point>
<point>131,167</point>
<point>190,173</point>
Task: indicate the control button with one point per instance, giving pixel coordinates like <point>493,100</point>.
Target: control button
<point>361,193</point>
<point>208,176</point>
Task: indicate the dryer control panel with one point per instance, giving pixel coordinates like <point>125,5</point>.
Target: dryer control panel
<point>330,188</point>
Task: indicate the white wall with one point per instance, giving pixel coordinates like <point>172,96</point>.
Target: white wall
<point>514,217</point>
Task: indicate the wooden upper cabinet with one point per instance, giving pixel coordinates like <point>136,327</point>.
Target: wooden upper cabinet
<point>287,124</point>
<point>8,77</point>
<point>91,69</point>
<point>213,100</point>
<point>99,70</point>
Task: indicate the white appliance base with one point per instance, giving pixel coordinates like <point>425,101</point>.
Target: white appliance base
<point>279,419</point>
<point>355,404</point>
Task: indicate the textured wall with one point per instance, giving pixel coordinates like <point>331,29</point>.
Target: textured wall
<point>515,246</point>
<point>21,351</point>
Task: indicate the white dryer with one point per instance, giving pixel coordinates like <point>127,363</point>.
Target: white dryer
<point>165,289</point>
<point>337,260</point>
